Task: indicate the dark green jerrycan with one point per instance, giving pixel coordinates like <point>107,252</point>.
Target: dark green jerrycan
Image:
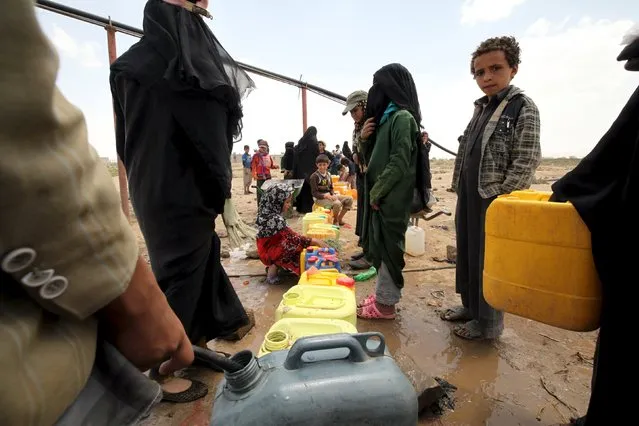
<point>337,379</point>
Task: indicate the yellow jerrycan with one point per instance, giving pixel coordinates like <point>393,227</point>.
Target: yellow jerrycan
<point>538,262</point>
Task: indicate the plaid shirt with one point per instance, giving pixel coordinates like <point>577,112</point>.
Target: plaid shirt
<point>510,151</point>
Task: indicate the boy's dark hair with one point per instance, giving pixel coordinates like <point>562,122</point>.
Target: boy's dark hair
<point>322,158</point>
<point>345,161</point>
<point>509,45</point>
<point>247,147</point>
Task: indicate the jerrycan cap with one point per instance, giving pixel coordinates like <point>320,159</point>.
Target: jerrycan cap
<point>347,282</point>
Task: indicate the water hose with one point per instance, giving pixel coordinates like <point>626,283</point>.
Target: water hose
<point>216,360</point>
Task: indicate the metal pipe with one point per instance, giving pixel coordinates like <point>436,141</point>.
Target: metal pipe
<point>124,188</point>
<point>136,32</point>
<point>90,18</point>
<point>304,112</point>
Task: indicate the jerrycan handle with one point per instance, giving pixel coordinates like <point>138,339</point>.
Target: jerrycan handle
<point>356,343</point>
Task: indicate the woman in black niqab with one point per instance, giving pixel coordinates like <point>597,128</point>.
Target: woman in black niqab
<point>288,160</point>
<point>604,188</point>
<point>177,99</point>
<point>393,82</point>
<point>346,151</point>
<point>306,152</point>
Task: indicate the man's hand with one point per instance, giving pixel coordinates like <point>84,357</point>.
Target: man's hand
<point>368,129</point>
<point>329,197</point>
<point>142,326</point>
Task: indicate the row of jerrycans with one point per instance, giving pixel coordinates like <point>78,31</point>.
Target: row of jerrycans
<point>314,368</point>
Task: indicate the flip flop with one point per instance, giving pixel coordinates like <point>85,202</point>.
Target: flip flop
<point>371,312</point>
<point>457,313</point>
<point>367,300</point>
<point>469,331</point>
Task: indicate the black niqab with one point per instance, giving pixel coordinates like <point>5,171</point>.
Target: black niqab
<point>288,157</point>
<point>346,151</point>
<point>604,188</point>
<point>181,49</point>
<point>394,83</point>
<point>306,152</point>
<point>176,109</point>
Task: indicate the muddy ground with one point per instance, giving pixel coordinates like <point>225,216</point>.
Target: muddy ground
<point>533,375</point>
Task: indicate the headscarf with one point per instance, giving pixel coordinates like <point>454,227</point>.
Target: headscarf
<point>306,151</point>
<point>393,83</point>
<point>269,215</point>
<point>308,139</point>
<point>346,150</point>
<point>360,124</point>
<point>179,48</point>
<point>287,159</point>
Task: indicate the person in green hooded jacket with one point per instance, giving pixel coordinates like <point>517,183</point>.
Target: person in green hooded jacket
<point>389,142</point>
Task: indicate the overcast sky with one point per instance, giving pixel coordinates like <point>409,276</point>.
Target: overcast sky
<point>568,61</point>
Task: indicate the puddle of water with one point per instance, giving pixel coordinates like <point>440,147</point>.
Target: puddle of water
<point>490,391</point>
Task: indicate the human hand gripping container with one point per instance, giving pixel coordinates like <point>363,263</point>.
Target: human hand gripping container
<point>538,262</point>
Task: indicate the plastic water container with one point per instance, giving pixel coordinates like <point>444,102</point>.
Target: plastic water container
<point>415,241</point>
<point>320,234</point>
<point>311,218</point>
<point>321,210</point>
<point>320,258</point>
<point>333,229</point>
<point>325,277</point>
<point>286,331</point>
<point>313,301</point>
<point>538,262</point>
<point>338,379</point>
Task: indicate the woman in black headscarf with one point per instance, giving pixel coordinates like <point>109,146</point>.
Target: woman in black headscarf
<point>604,188</point>
<point>305,154</point>
<point>288,160</point>
<point>389,141</point>
<point>177,98</point>
<point>346,151</point>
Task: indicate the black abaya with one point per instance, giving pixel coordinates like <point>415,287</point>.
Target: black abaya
<point>177,109</point>
<point>603,188</point>
<point>305,156</point>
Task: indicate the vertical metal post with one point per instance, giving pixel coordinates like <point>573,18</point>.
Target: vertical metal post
<point>304,112</point>
<point>124,189</point>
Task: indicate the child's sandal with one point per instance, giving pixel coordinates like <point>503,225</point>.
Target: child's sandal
<point>371,312</point>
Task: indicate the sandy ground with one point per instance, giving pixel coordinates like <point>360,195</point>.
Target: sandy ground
<point>533,375</point>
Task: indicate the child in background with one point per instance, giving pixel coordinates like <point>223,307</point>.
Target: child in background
<point>322,190</point>
<point>261,166</point>
<point>349,172</point>
<point>246,166</point>
<point>277,244</point>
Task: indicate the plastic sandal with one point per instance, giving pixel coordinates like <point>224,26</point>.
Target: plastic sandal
<point>367,300</point>
<point>371,312</point>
